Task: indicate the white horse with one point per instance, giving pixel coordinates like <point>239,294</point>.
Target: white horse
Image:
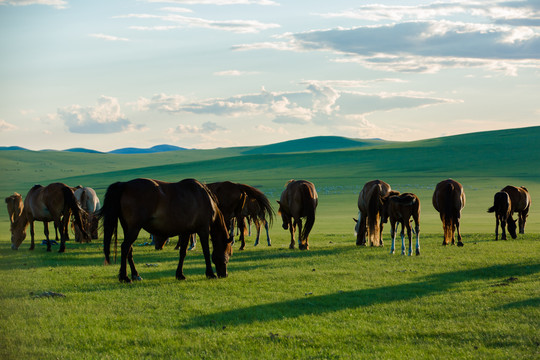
<point>89,201</point>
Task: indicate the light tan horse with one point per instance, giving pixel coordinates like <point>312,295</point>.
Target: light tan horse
<point>449,200</point>
<point>298,200</point>
<point>15,207</point>
<point>89,202</point>
<point>53,202</point>
<point>369,212</point>
<point>521,203</point>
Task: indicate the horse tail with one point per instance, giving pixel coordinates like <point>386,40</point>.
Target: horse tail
<point>110,212</point>
<point>449,210</point>
<point>373,216</point>
<point>262,201</point>
<point>309,208</point>
<point>71,202</point>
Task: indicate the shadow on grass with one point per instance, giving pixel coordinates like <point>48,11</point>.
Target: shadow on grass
<point>534,302</point>
<point>311,305</point>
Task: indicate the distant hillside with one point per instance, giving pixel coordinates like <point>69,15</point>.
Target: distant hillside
<point>317,143</point>
<point>83,150</point>
<point>153,149</point>
<point>11,148</point>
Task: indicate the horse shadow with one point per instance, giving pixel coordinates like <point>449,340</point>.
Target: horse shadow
<point>334,302</point>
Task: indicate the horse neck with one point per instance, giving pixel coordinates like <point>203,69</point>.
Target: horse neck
<point>20,222</point>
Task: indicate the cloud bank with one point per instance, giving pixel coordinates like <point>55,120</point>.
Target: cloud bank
<point>103,118</point>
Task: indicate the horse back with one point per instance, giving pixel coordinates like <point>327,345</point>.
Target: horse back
<point>301,197</point>
<point>166,209</point>
<point>372,189</point>
<point>448,197</point>
<point>520,197</point>
<point>44,203</point>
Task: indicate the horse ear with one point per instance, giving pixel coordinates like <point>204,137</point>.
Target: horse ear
<point>278,202</point>
<point>355,220</point>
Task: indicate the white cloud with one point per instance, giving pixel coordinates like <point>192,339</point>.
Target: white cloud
<point>271,130</point>
<point>108,37</point>
<point>234,73</point>
<point>106,117</point>
<point>5,126</point>
<point>181,21</point>
<point>318,103</point>
<point>216,2</point>
<point>208,127</point>
<point>59,4</point>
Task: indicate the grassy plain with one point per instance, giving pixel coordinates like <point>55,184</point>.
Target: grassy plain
<point>335,301</point>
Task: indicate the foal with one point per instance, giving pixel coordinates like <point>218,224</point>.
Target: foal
<point>399,209</point>
<point>502,207</point>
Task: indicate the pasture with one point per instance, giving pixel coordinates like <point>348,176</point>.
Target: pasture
<point>334,301</point>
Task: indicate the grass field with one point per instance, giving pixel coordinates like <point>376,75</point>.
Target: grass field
<point>335,301</point>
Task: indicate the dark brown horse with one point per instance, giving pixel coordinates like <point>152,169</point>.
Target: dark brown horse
<point>521,203</point>
<point>502,207</point>
<point>369,211</point>
<point>54,202</point>
<point>165,210</point>
<point>15,207</point>
<point>298,200</point>
<point>232,198</point>
<point>399,208</point>
<point>449,200</point>
<point>252,212</point>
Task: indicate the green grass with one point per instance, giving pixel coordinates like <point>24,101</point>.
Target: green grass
<point>335,301</point>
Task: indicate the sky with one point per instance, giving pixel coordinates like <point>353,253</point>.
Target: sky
<point>219,73</point>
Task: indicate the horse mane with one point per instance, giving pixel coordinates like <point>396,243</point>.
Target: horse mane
<point>262,200</point>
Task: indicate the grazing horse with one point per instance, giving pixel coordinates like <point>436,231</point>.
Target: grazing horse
<point>298,200</point>
<point>399,208</point>
<point>15,207</point>
<point>521,203</point>
<point>502,207</point>
<point>253,212</point>
<point>370,207</point>
<point>449,199</point>
<point>165,210</point>
<point>89,202</point>
<point>53,202</point>
<point>232,198</point>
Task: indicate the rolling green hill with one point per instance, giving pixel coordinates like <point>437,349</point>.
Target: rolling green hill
<point>483,162</point>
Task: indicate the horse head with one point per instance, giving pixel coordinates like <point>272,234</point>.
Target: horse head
<point>285,217</point>
<point>512,227</point>
<point>221,244</point>
<point>18,231</point>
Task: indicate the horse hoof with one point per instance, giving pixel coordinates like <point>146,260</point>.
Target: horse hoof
<point>460,244</point>
<point>124,279</point>
<point>256,243</point>
<point>136,278</point>
<point>211,276</point>
<point>269,244</point>
<point>59,250</point>
<point>417,252</point>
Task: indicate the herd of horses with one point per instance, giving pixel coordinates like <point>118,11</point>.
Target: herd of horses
<point>214,211</point>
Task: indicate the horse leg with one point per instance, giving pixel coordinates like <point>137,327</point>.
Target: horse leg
<point>381,243</point>
<point>32,244</point>
<point>267,233</point>
<point>258,228</point>
<point>361,233</point>
<point>134,273</point>
<point>503,229</point>
<point>126,249</point>
<point>292,226</point>
<point>46,230</point>
<point>460,243</point>
<point>192,242</point>
<point>301,235</point>
<point>402,234</point>
<point>417,230</point>
<point>521,220</point>
<point>183,242</point>
<point>393,235</point>
<point>496,227</point>
<point>206,251</point>
<point>242,228</point>
<point>409,234</point>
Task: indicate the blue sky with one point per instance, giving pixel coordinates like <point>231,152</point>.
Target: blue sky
<point>220,73</point>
